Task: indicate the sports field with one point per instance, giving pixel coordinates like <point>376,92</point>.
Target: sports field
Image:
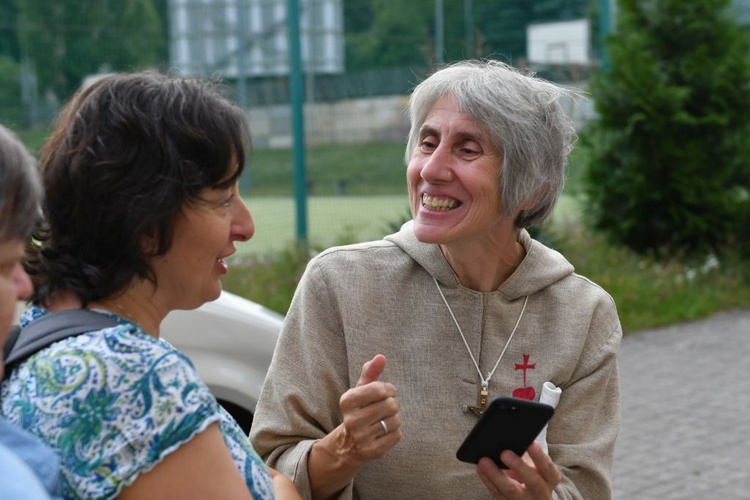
<point>330,220</point>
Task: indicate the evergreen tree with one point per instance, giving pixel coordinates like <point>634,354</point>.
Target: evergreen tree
<point>8,30</point>
<point>66,40</point>
<point>386,33</point>
<point>396,34</point>
<point>502,28</point>
<point>669,170</point>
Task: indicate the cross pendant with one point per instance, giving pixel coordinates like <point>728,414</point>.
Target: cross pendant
<point>483,397</point>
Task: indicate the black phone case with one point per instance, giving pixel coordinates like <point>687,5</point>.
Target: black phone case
<point>507,424</point>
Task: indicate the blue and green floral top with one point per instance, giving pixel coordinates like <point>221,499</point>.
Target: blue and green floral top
<point>113,403</point>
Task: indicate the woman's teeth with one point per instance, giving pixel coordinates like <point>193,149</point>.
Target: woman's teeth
<point>440,204</point>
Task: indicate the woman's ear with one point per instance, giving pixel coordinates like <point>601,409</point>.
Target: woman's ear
<point>149,244</point>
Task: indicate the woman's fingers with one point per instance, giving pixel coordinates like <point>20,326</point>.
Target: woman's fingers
<point>529,477</point>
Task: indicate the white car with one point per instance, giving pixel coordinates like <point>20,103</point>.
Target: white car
<point>230,341</point>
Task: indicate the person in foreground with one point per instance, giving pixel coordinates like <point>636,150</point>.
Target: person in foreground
<point>28,469</point>
<point>391,348</point>
<point>141,210</point>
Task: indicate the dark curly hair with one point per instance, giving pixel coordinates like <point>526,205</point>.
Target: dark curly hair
<point>127,154</point>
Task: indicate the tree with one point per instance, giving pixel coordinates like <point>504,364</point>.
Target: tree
<point>381,33</point>
<point>502,26</point>
<point>66,40</point>
<point>669,169</point>
<point>397,34</point>
<point>561,10</point>
<point>387,33</point>
<point>8,32</point>
<point>11,108</point>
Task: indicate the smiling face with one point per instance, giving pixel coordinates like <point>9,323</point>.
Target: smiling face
<point>188,275</point>
<point>453,179</point>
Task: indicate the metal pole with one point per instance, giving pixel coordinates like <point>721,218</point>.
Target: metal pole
<point>241,31</point>
<point>296,99</point>
<point>439,44</point>
<point>605,27</point>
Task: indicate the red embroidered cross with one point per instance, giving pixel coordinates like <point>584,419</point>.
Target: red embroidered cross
<point>525,366</point>
<point>525,392</point>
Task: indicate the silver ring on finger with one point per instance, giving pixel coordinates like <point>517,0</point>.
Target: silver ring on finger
<point>384,426</point>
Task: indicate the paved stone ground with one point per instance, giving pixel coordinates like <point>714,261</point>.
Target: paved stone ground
<point>685,430</point>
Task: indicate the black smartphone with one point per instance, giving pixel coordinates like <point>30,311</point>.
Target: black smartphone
<point>507,424</point>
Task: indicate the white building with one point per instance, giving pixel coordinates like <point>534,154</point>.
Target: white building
<point>249,38</point>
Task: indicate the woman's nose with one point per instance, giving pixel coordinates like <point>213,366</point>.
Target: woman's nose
<point>438,166</point>
<point>243,227</point>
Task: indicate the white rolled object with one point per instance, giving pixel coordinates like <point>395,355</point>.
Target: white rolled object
<point>550,396</point>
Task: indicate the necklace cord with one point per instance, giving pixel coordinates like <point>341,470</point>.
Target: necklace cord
<point>485,382</point>
<point>126,314</point>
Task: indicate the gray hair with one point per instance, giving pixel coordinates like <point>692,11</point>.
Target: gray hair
<point>20,188</point>
<point>524,118</point>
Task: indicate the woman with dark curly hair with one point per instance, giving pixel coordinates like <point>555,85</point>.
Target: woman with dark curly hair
<point>142,208</point>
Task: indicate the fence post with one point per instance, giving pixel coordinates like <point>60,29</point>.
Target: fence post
<point>605,27</point>
<point>298,123</point>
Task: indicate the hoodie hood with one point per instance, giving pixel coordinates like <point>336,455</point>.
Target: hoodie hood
<point>540,268</point>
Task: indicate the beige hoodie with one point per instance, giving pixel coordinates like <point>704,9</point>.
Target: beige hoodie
<point>356,301</point>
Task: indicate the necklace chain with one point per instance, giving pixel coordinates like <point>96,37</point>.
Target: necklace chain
<point>485,381</point>
<point>122,309</point>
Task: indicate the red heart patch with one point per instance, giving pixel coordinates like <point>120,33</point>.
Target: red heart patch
<point>525,393</point>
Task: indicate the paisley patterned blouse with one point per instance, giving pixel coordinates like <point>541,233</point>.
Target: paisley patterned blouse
<point>113,403</point>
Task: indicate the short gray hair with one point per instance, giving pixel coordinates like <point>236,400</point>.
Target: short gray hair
<point>524,118</point>
<point>20,188</point>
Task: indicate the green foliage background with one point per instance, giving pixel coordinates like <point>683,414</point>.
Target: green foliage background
<point>66,40</point>
<point>63,41</point>
<point>669,164</point>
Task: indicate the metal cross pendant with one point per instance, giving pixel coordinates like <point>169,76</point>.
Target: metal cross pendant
<point>483,397</point>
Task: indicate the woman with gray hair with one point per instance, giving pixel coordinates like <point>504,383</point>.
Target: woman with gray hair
<point>464,305</point>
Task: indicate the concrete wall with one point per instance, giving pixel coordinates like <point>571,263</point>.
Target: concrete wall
<point>376,119</point>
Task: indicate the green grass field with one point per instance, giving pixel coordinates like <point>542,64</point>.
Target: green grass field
<point>330,220</point>
<point>335,219</point>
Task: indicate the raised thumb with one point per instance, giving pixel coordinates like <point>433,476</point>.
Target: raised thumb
<point>372,370</point>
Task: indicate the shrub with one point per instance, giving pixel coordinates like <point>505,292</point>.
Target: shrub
<point>11,107</point>
<point>269,280</point>
<point>669,169</point>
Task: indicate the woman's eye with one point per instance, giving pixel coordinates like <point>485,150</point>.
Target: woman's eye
<point>427,144</point>
<point>470,148</point>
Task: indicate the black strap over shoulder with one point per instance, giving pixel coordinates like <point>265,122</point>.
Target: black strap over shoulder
<point>48,329</point>
<point>10,340</point>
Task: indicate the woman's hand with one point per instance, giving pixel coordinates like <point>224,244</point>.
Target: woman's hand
<point>532,477</point>
<point>364,407</point>
<point>371,427</point>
